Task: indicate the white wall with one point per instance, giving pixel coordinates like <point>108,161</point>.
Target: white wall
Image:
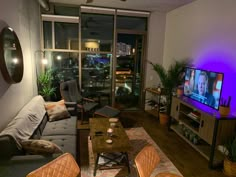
<point>24,17</point>
<point>198,26</point>
<point>155,46</point>
<point>205,30</point>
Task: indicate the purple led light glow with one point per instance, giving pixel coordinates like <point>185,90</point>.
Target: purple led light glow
<point>224,62</point>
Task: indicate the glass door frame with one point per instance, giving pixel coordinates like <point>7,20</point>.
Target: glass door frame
<point>98,11</point>
<point>143,62</point>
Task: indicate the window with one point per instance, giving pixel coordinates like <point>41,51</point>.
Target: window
<point>66,36</point>
<point>60,32</point>
<point>132,23</point>
<point>85,50</point>
<point>97,32</point>
<point>47,31</point>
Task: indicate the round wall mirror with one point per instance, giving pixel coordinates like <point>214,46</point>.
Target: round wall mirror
<point>11,58</point>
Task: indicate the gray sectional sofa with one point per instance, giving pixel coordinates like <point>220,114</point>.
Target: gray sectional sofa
<point>32,123</point>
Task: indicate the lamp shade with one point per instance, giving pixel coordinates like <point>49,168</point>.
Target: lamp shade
<point>92,45</point>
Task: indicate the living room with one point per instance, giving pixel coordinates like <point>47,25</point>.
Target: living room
<point>202,30</point>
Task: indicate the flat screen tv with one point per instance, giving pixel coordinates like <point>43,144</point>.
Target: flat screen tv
<point>203,86</point>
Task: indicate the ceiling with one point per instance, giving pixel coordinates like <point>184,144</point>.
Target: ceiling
<point>146,5</point>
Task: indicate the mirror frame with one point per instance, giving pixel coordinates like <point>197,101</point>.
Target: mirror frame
<point>17,75</point>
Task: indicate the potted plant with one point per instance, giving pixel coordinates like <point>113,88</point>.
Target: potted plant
<point>45,85</point>
<point>230,159</point>
<point>170,79</point>
<point>224,108</point>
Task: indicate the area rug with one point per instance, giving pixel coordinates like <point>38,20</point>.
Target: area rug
<point>138,139</point>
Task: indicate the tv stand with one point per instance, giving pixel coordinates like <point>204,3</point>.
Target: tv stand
<point>201,129</point>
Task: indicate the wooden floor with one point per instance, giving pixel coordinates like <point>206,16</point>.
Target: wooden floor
<point>188,161</point>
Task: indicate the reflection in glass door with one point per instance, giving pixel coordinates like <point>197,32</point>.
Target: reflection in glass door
<point>96,76</point>
<point>129,54</point>
<point>96,57</point>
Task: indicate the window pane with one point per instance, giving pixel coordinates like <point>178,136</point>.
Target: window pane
<point>66,35</point>
<point>132,23</point>
<point>97,32</point>
<point>128,70</point>
<point>96,75</point>
<point>65,10</point>
<point>47,34</point>
<point>64,66</point>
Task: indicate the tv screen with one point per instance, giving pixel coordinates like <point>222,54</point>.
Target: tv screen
<point>203,86</point>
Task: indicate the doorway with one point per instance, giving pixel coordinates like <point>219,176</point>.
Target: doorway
<point>128,71</point>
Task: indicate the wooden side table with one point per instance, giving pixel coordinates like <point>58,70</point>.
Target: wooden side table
<point>154,92</point>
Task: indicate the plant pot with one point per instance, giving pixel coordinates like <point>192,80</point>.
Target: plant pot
<point>164,118</point>
<point>229,167</point>
<point>224,111</point>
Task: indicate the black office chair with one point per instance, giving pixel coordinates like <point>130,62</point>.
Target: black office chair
<point>70,93</point>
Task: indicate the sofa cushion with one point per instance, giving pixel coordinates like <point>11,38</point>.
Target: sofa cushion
<point>57,110</point>
<point>61,127</point>
<point>66,142</point>
<point>42,147</point>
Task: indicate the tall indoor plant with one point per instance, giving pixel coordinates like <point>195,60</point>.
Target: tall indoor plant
<point>170,79</point>
<point>45,84</point>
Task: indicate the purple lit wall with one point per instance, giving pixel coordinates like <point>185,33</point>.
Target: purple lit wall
<point>221,59</point>
<point>205,31</point>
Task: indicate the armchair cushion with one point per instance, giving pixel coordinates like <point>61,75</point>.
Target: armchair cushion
<point>57,110</point>
<point>107,111</point>
<point>89,106</point>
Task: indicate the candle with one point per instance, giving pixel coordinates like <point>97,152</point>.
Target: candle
<point>109,131</point>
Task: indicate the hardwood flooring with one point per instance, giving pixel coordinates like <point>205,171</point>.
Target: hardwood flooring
<point>188,161</point>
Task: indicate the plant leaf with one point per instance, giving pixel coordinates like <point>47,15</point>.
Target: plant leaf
<point>170,78</point>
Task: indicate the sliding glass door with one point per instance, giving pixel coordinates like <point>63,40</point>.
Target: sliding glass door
<point>96,56</point>
<point>129,55</point>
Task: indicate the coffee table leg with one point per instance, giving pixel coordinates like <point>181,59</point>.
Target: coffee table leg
<point>127,161</point>
<point>96,165</point>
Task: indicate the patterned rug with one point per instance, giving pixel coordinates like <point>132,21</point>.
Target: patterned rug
<point>138,139</point>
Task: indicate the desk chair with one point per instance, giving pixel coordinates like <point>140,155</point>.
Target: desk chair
<point>63,166</point>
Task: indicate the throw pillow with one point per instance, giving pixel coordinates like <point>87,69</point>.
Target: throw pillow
<point>40,147</point>
<point>56,110</point>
